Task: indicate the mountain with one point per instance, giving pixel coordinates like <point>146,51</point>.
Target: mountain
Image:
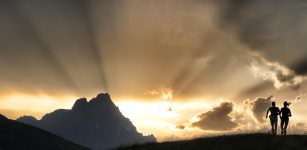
<point>18,136</point>
<point>97,124</point>
<point>229,142</point>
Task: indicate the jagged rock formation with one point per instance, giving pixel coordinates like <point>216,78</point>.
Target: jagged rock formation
<point>97,124</point>
<point>18,136</point>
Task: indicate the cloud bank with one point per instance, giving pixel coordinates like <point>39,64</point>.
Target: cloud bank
<point>217,119</point>
<point>281,76</point>
<point>259,106</point>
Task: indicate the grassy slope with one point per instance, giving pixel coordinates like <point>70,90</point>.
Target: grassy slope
<point>19,136</point>
<point>232,142</point>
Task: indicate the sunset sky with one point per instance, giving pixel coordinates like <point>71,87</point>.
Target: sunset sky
<point>175,68</point>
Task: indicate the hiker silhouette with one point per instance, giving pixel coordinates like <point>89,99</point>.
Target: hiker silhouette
<point>285,113</point>
<point>273,117</point>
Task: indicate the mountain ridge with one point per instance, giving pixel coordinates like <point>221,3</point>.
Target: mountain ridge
<point>97,124</point>
<point>19,136</point>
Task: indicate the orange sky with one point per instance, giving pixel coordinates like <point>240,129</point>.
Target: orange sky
<point>206,52</point>
<point>149,116</point>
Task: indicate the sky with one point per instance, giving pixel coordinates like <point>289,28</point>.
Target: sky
<point>175,68</point>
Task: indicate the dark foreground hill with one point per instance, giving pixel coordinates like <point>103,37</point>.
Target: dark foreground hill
<point>18,136</point>
<point>232,142</point>
<point>97,124</point>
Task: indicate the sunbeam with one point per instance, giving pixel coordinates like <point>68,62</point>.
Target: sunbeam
<point>171,66</point>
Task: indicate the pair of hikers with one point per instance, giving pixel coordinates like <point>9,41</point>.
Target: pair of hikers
<point>284,114</point>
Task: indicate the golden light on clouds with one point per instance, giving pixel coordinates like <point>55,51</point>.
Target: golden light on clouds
<point>155,116</point>
<point>151,116</point>
<point>186,53</point>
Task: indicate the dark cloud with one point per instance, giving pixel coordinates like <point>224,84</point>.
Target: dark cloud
<point>259,106</point>
<point>216,119</point>
<point>273,27</point>
<point>277,73</point>
<point>300,67</point>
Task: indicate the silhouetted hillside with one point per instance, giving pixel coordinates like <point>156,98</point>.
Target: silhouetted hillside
<point>18,136</point>
<point>97,124</point>
<point>232,142</point>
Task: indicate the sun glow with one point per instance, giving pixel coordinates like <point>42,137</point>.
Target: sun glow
<point>154,116</point>
<point>33,104</point>
<point>160,116</point>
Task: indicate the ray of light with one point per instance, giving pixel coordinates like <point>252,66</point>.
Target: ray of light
<point>43,47</point>
<point>97,54</point>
